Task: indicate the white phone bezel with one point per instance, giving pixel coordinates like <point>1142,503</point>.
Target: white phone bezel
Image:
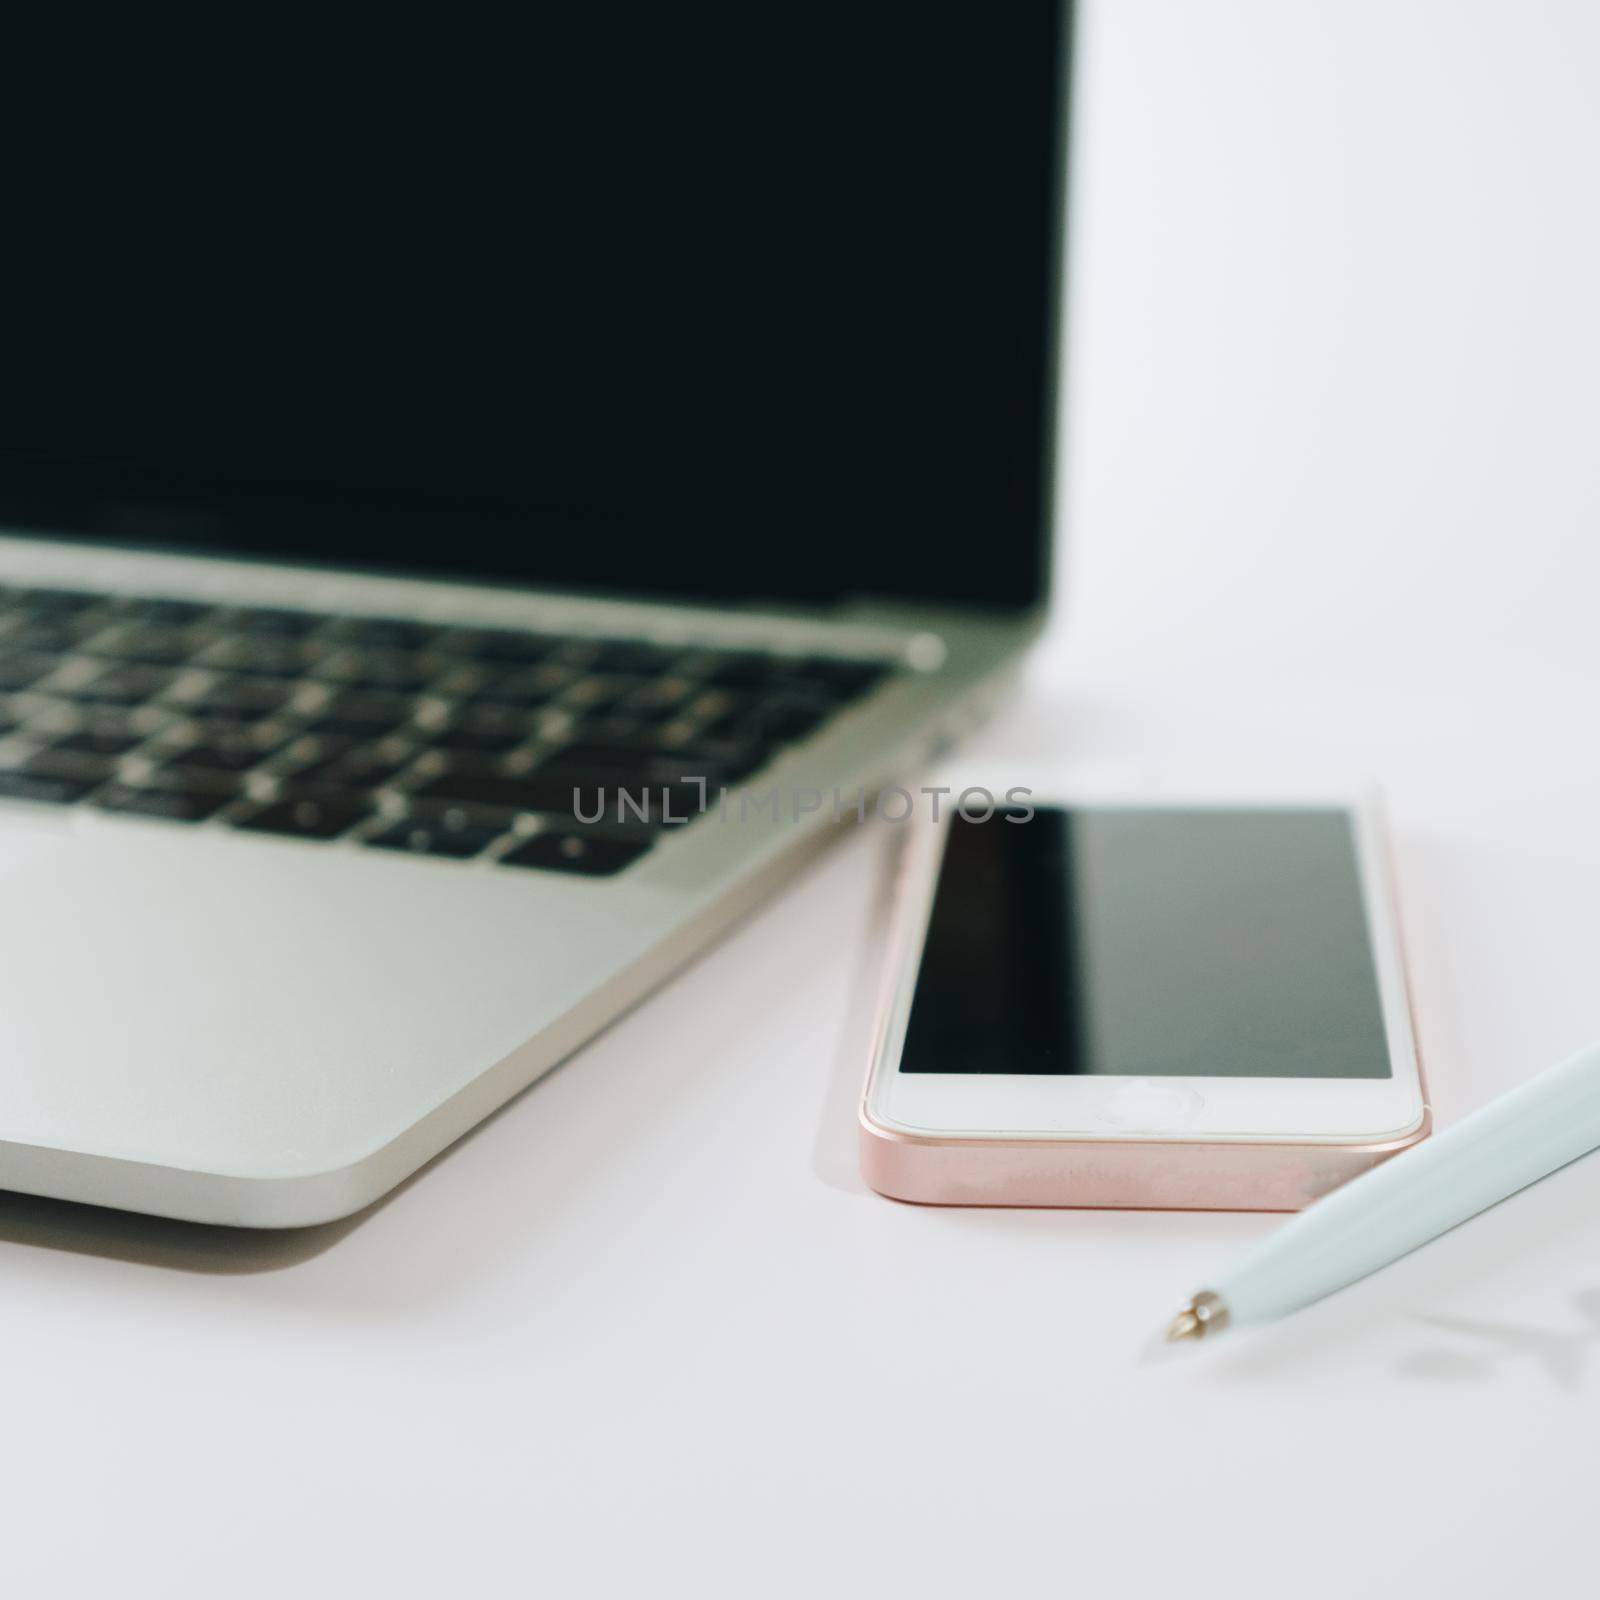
<point>1000,1106</point>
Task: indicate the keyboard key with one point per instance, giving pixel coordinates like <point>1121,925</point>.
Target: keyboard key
<point>308,816</point>
<point>501,791</point>
<point>108,725</point>
<point>443,836</point>
<point>19,785</point>
<point>528,687</point>
<point>275,623</point>
<point>560,791</point>
<point>744,669</point>
<point>623,729</point>
<point>620,799</point>
<point>594,694</point>
<point>55,778</point>
<point>359,766</point>
<point>48,636</point>
<point>125,686</point>
<point>721,761</point>
<point>647,716</point>
<point>366,716</point>
<point>459,679</point>
<point>657,695</point>
<point>191,804</point>
<point>220,752</point>
<point>267,655</point>
<point>162,647</point>
<point>100,741</point>
<point>635,783</point>
<point>24,669</point>
<point>641,784</point>
<point>588,854</point>
<point>72,764</point>
<point>381,670</point>
<point>616,728</point>
<point>491,730</point>
<point>234,730</point>
<point>245,699</point>
<point>779,719</point>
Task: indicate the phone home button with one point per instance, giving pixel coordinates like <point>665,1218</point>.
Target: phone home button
<point>1147,1105</point>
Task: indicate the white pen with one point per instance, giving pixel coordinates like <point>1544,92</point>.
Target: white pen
<point>1382,1215</point>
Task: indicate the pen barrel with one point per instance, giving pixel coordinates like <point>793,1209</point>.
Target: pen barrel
<point>1390,1211</point>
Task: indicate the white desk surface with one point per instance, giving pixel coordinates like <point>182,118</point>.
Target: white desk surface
<point>1331,499</point>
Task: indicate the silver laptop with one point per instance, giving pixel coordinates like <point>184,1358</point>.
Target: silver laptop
<point>472,529</point>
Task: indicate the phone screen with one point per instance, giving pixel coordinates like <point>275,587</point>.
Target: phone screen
<point>1153,943</point>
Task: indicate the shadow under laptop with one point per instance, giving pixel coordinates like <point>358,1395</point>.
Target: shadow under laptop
<point>27,1219</point>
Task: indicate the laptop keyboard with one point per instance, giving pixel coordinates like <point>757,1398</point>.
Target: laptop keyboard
<point>448,741</point>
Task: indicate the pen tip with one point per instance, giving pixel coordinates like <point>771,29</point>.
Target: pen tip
<point>1205,1314</point>
<point>1186,1325</point>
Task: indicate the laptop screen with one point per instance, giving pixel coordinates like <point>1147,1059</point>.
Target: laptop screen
<point>757,307</point>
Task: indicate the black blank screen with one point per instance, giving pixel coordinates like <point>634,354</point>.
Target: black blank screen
<point>1159,943</point>
<point>744,302</point>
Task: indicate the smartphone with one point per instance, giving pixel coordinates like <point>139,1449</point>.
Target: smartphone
<point>1141,1004</point>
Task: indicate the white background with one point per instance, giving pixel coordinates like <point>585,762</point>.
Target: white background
<point>1331,498</point>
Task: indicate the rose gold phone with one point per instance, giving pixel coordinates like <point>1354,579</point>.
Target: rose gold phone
<point>1141,1004</point>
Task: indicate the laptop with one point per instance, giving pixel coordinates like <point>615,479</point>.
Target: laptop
<point>473,520</point>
